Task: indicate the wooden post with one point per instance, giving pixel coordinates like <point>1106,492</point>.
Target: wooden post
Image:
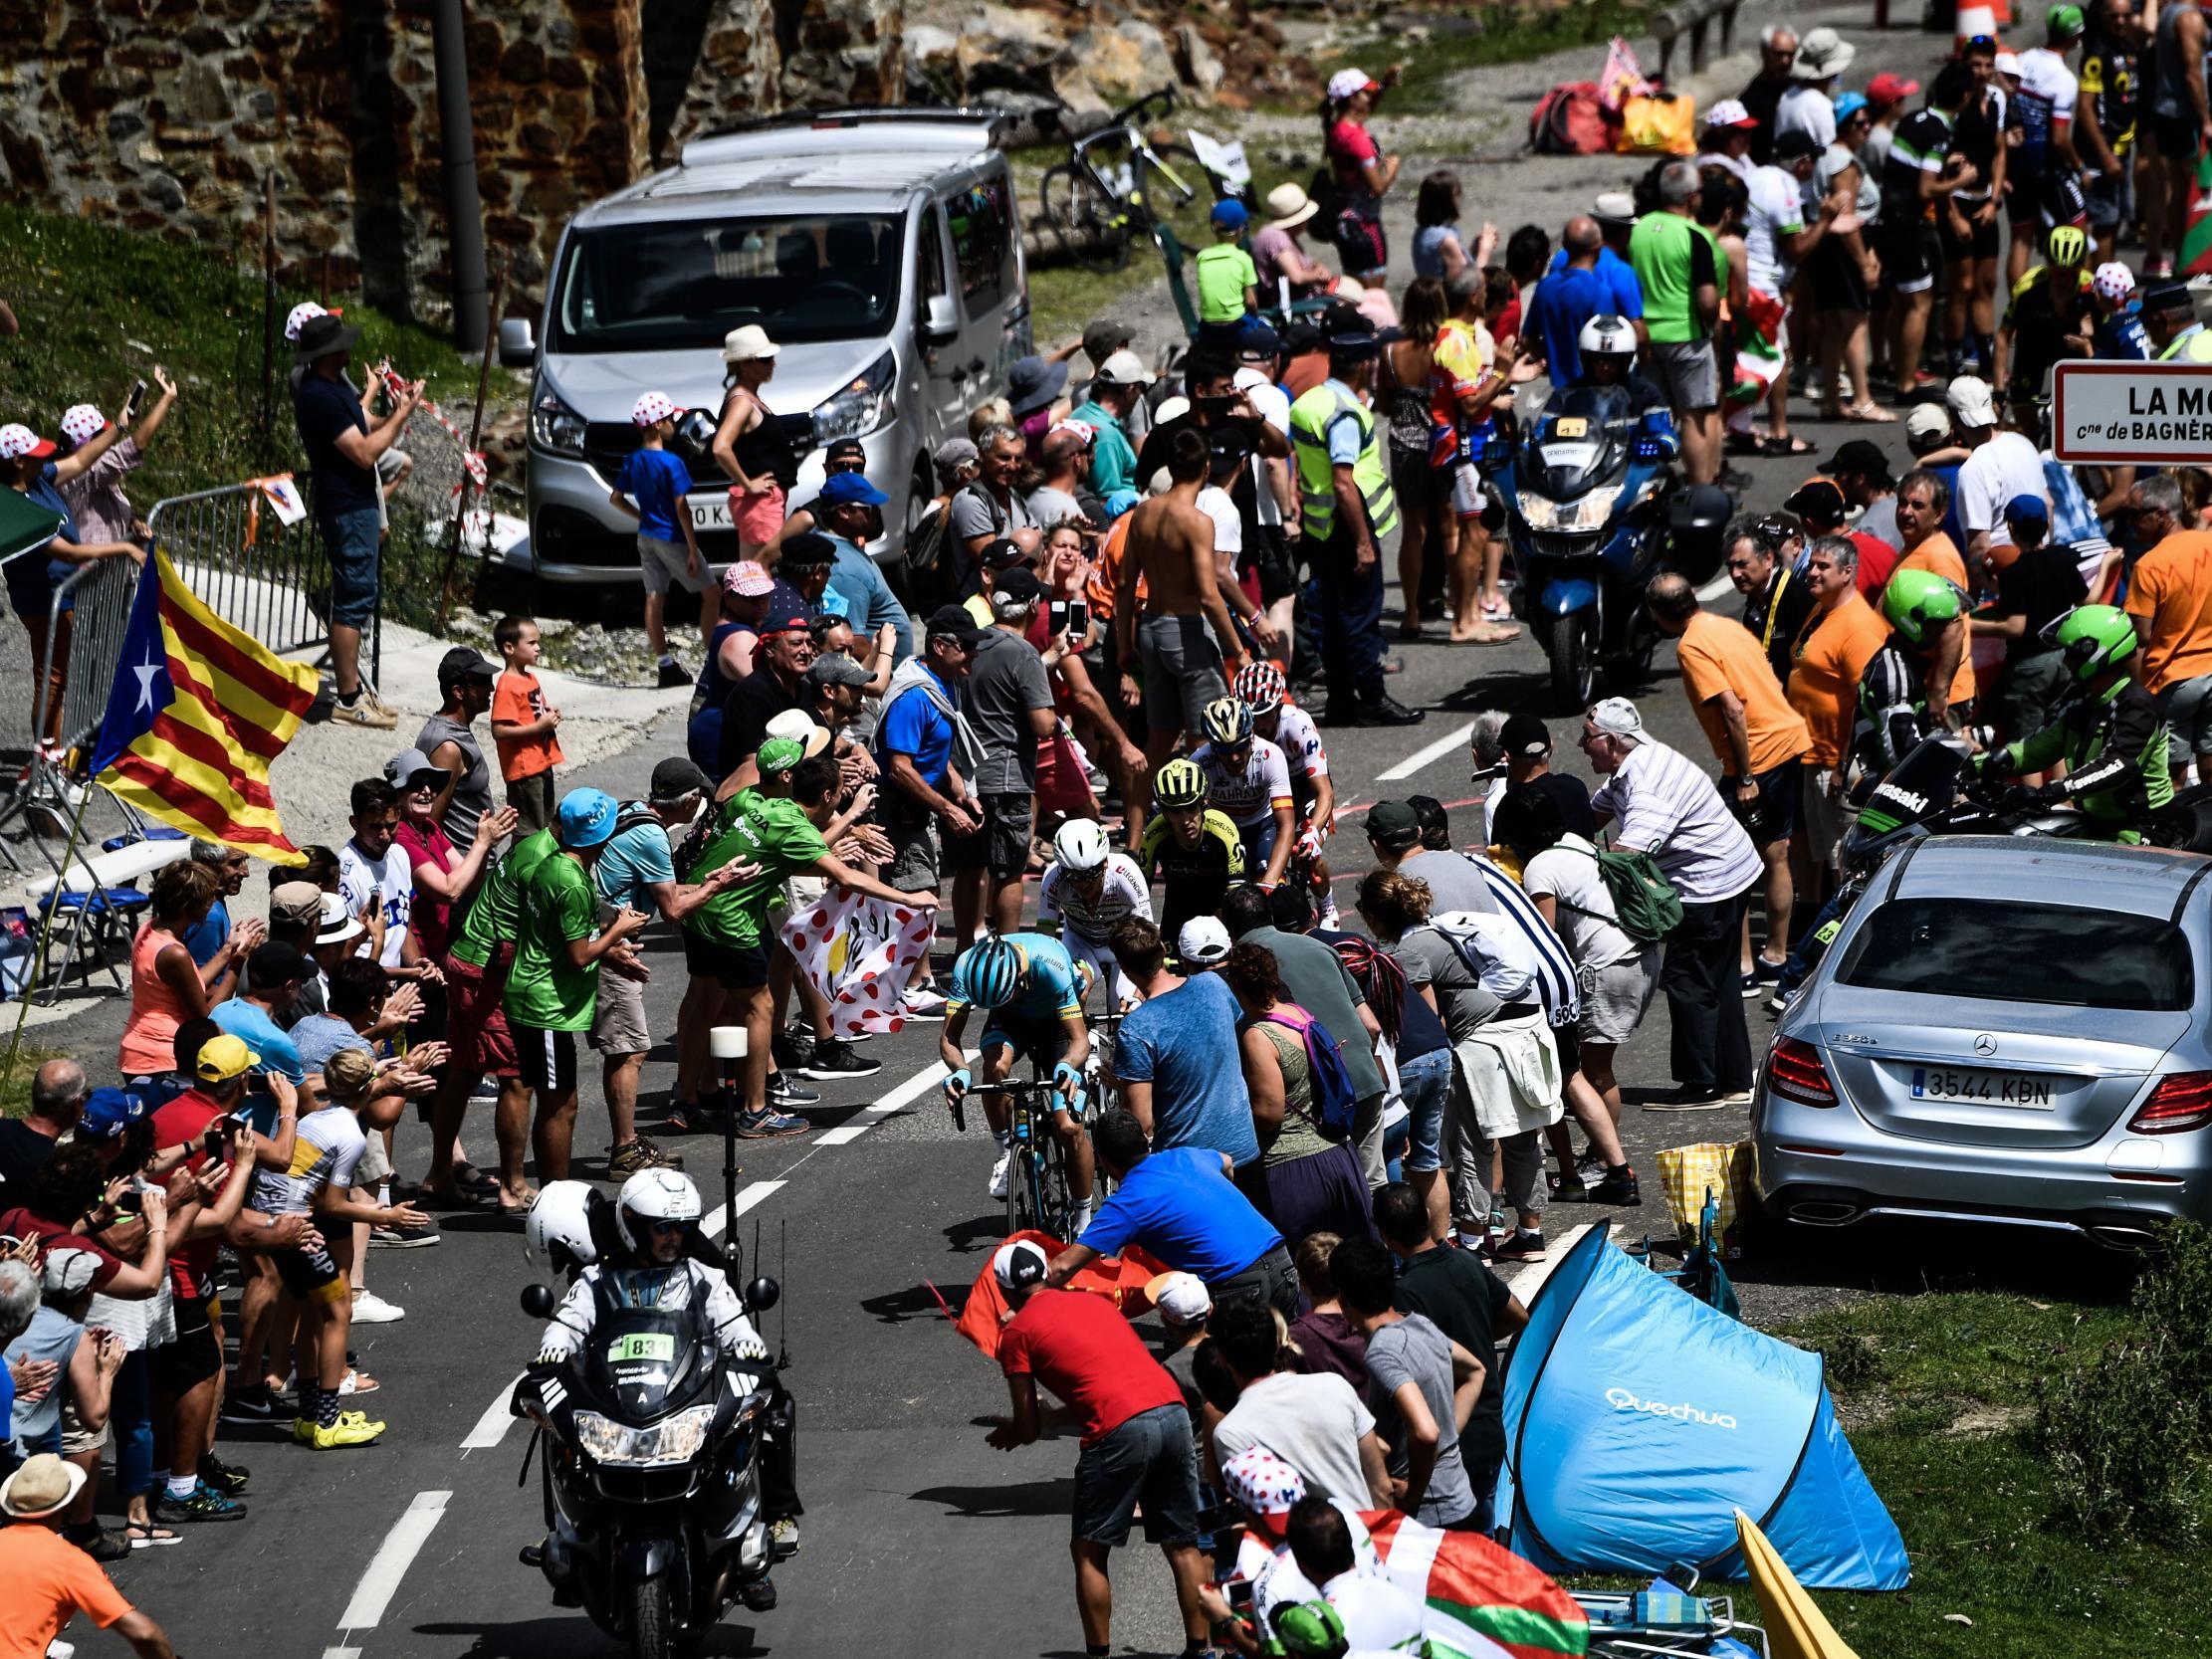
<point>476,432</point>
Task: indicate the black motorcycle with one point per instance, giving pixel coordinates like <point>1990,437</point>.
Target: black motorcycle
<point>652,1471</point>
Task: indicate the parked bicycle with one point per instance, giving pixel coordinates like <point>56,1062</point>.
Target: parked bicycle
<point>1116,185</point>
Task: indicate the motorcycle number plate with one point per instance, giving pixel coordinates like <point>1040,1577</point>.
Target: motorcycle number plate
<point>651,1345</point>
<point>1571,426</point>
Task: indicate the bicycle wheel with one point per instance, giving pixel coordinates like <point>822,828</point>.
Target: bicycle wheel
<point>1173,190</point>
<point>1089,226</point>
<point>1020,1192</point>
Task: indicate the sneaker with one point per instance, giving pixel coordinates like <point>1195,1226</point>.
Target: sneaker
<point>1618,1188</point>
<point>403,1238</point>
<point>794,1050</point>
<point>783,1540</point>
<point>351,1430</point>
<point>363,711</point>
<point>1687,1099</point>
<point>784,1092</point>
<point>998,1175</point>
<point>833,1059</point>
<point>672,673</point>
<point>98,1541</point>
<point>372,1308</point>
<point>922,1002</point>
<point>1569,1189</point>
<point>768,1122</point>
<point>632,1155</point>
<point>205,1504</point>
<point>1523,1246</point>
<point>1748,983</point>
<point>226,1478</point>
<point>255,1403</point>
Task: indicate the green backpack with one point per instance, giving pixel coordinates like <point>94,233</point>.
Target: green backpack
<point>1646,906</point>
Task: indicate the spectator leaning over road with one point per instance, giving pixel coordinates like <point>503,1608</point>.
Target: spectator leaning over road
<point>1325,1340</point>
<point>343,451</point>
<point>1762,96</point>
<point>1832,648</point>
<point>1009,702</point>
<point>1394,837</point>
<point>1921,499</point>
<point>1176,1058</point>
<point>651,486</point>
<point>849,510</point>
<point>524,724</point>
<point>1669,808</point>
<point>167,988</point>
<point>1315,1422</point>
<point>94,495</point>
<point>1421,1387</point>
<point>1681,271</point>
<point>2169,598</point>
<point>1136,1445</point>
<point>50,1580</point>
<point>1758,739</point>
<point>926,749</point>
<point>448,738</point>
<point>2002,465</point>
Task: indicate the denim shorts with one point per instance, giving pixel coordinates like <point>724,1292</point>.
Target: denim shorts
<point>352,540</point>
<point>1149,1456</point>
<point>1425,1082</point>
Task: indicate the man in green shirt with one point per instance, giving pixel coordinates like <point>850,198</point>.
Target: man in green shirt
<point>552,988</point>
<point>778,829</point>
<point>1680,268</point>
<point>476,969</point>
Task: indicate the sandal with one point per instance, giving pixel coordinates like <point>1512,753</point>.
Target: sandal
<point>1792,445</point>
<point>147,1535</point>
<point>1744,443</point>
<point>467,1178</point>
<point>1496,610</point>
<point>1869,413</point>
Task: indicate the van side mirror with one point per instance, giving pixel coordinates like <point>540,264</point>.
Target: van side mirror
<point>538,1300</point>
<point>940,322</point>
<point>518,343</point>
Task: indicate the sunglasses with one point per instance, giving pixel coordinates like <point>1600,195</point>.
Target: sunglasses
<point>663,1228</point>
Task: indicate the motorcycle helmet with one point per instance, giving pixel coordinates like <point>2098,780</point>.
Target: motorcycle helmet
<point>1179,783</point>
<point>1917,601</point>
<point>994,972</point>
<point>653,1195</point>
<point>2094,638</point>
<point>1260,687</point>
<point>556,1235</point>
<point>2069,247</point>
<point>1606,335</point>
<point>1227,720</point>
<point>1081,844</point>
<point>1312,1630</point>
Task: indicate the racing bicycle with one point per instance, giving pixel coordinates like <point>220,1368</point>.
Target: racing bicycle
<point>1037,1195</point>
<point>1116,185</point>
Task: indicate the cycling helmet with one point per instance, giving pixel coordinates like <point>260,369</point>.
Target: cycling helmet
<point>1179,783</point>
<point>1606,335</point>
<point>1228,721</point>
<point>556,1236</point>
<point>653,1195</point>
<point>1081,844</point>
<point>2094,638</point>
<point>2113,282</point>
<point>2069,246</point>
<point>1260,688</point>
<point>1917,600</point>
<point>994,972</point>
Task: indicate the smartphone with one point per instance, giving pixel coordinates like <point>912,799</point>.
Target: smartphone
<point>130,403</point>
<point>1059,617</point>
<point>1079,617</point>
<point>215,1136</point>
<point>132,1200</point>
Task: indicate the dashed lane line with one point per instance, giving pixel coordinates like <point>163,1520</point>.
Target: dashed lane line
<point>1429,754</point>
<point>380,1579</point>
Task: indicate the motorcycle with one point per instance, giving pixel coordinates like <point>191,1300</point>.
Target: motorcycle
<point>651,1478</point>
<point>1594,513</point>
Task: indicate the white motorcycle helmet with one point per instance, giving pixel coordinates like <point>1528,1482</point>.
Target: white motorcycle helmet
<point>1606,335</point>
<point>560,1220</point>
<point>1081,844</point>
<point>653,1195</point>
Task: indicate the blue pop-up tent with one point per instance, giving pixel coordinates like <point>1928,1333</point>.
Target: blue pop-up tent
<point>1639,1421</point>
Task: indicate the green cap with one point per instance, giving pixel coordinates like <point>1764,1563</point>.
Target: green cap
<point>780,754</point>
<point>2064,23</point>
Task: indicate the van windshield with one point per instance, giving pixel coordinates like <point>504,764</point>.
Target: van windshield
<point>672,287</point>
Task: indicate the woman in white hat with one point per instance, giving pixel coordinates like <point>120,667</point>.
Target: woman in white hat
<point>750,443</point>
<point>1276,252</point>
<point>1361,171</point>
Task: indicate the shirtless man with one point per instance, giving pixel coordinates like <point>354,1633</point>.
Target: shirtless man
<point>1185,667</point>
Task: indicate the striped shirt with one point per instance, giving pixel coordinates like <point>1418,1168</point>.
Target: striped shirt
<point>1670,808</point>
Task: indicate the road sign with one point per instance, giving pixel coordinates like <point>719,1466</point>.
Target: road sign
<point>2139,414</point>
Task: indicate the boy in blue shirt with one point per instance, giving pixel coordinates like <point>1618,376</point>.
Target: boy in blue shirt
<point>667,550</point>
<point>2119,322</point>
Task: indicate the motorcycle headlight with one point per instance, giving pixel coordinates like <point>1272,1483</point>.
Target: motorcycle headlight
<point>1592,511</point>
<point>1538,513</point>
<point>555,427</point>
<point>862,407</point>
<point>675,1439</point>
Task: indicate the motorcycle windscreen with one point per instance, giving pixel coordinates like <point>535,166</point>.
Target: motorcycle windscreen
<point>1581,440</point>
<point>1925,783</point>
<point>647,1361</point>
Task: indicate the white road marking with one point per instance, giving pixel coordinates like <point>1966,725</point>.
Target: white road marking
<point>715,1224</point>
<point>1428,756</point>
<point>491,1428</point>
<point>341,1653</point>
<point>381,1583</point>
<point>1530,1279</point>
<point>905,1094</point>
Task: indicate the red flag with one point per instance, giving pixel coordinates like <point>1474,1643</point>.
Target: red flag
<point>1122,1277</point>
<point>1476,1589</point>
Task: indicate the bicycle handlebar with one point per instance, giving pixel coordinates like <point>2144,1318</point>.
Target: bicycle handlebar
<point>1165,98</point>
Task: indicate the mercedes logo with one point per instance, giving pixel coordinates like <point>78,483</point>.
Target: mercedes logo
<point>1985,1045</point>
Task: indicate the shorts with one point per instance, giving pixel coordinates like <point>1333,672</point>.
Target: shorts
<point>1150,1458</point>
<point>1416,480</point>
<point>476,1023</point>
<point>179,1366</point>
<point>2177,136</point>
<point>757,518</point>
<point>735,968</point>
<point>914,849</point>
<point>309,1272</point>
<point>1040,1042</point>
<point>2186,707</point>
<point>2031,688</point>
<point>2056,199</point>
<point>666,564</point>
<point>1836,282</point>
<point>619,1023</point>
<point>2111,201</point>
<point>1775,811</point>
<point>1980,242</point>
<point>1470,495</point>
<point>1615,997</point>
<point>1908,263</point>
<point>1259,845</point>
<point>533,799</point>
<point>548,1059</point>
<point>353,541</point>
<point>1688,373</point>
<point>1009,821</point>
<point>1425,1082</point>
<point>1822,817</point>
<point>1183,671</point>
<point>77,1439</point>
<point>375,1167</point>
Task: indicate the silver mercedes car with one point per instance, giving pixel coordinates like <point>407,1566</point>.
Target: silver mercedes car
<point>2005,1031</point>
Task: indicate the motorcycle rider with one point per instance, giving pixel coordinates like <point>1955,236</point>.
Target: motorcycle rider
<point>1927,624</point>
<point>1608,347</point>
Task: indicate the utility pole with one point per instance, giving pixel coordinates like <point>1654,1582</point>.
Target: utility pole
<point>464,211</point>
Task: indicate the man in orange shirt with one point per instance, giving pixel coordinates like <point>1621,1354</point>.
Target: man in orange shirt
<point>1832,649</point>
<point>1922,499</point>
<point>51,1579</point>
<point>2169,596</point>
<point>1757,736</point>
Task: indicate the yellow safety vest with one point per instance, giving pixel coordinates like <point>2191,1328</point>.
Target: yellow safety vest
<point>1310,419</point>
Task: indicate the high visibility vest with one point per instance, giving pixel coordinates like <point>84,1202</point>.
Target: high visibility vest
<point>1310,419</point>
<point>2195,346</point>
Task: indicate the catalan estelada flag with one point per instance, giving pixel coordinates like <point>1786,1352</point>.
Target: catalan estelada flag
<point>197,713</point>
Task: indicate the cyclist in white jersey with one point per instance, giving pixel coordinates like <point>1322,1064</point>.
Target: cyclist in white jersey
<point>1084,894</point>
<point>1250,785</point>
<point>1262,688</point>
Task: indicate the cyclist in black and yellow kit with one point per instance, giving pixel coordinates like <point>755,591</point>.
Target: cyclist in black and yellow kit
<point>1194,851</point>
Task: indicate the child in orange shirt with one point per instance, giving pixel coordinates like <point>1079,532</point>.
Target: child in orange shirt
<point>522,723</point>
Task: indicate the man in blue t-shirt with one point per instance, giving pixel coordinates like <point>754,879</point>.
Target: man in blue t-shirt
<point>849,510</point>
<point>1568,299</point>
<point>274,974</point>
<point>923,788</point>
<point>651,486</point>
<point>1176,1055</point>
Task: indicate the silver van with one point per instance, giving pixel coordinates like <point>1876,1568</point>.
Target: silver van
<point>881,249</point>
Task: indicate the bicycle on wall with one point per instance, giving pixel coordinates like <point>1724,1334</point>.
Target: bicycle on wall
<point>1116,185</point>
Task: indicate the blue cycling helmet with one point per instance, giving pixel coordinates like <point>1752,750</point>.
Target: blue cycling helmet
<point>587,817</point>
<point>994,973</point>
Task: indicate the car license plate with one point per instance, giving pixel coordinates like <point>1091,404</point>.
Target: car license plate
<point>710,512</point>
<point>1931,1083</point>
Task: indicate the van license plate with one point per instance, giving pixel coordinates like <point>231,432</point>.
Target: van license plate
<point>1987,1088</point>
<point>710,512</point>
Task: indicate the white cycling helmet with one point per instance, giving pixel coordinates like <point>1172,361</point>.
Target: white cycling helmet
<point>1081,844</point>
<point>1606,335</point>
<point>2114,280</point>
<point>653,1195</point>
<point>561,1221</point>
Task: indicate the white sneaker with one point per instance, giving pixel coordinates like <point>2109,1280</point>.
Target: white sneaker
<point>922,1002</point>
<point>372,1308</point>
<point>998,1175</point>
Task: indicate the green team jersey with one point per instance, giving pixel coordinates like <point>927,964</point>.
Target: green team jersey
<point>494,913</point>
<point>751,828</point>
<point>544,990</point>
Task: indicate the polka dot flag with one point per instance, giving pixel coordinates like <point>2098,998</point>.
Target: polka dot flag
<point>859,953</point>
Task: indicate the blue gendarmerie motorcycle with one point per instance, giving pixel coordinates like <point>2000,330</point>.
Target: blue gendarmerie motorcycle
<point>1595,513</point>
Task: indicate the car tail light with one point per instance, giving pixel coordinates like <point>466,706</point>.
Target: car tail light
<point>1795,1072</point>
<point>2180,1102</point>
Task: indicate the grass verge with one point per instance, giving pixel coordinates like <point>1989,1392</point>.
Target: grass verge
<point>1453,42</point>
<point>17,1068</point>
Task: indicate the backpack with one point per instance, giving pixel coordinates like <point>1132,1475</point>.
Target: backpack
<point>1646,906</point>
<point>928,562</point>
<point>1333,1099</point>
<point>1571,119</point>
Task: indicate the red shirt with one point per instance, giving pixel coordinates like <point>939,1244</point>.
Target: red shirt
<point>1077,1344</point>
<point>52,1235</point>
<point>185,1121</point>
<point>432,918</point>
<point>1876,559</point>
